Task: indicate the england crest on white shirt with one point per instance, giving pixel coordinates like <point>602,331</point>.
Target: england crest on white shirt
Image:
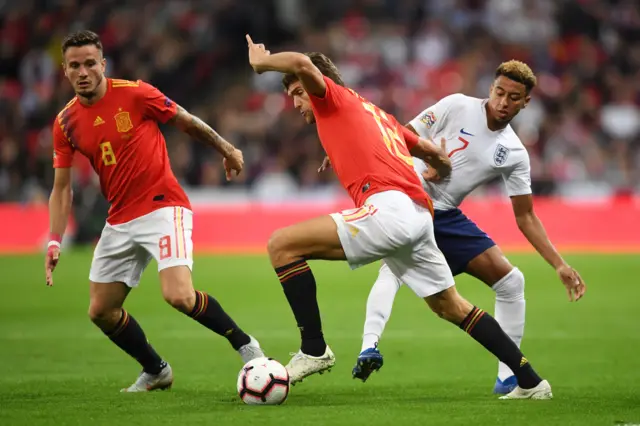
<point>501,155</point>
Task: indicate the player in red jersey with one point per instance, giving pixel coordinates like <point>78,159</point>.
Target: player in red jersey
<point>371,155</point>
<point>114,123</point>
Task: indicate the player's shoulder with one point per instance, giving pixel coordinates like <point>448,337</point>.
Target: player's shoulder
<point>121,87</point>
<point>511,138</point>
<point>118,83</point>
<point>513,144</point>
<point>67,108</point>
<point>457,100</point>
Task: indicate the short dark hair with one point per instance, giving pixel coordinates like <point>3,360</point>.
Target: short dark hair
<point>81,38</point>
<point>519,72</point>
<point>324,64</point>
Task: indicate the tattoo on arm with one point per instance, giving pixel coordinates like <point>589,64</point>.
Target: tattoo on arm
<point>198,129</point>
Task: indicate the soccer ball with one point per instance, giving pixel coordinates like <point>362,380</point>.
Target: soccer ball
<point>263,381</point>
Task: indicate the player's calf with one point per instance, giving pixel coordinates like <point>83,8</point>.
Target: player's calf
<point>288,250</point>
<point>127,334</point>
<point>486,331</point>
<point>120,327</point>
<point>178,291</point>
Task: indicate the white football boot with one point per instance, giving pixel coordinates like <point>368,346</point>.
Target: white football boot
<point>149,382</point>
<point>542,391</point>
<point>251,351</point>
<point>303,365</point>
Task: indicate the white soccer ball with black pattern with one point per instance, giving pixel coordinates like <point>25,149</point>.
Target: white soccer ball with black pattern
<point>263,381</point>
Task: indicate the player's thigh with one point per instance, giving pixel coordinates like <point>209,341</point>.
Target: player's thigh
<point>316,238</point>
<point>165,234</point>
<point>117,258</point>
<point>177,287</point>
<point>490,266</point>
<point>423,267</point>
<point>459,239</point>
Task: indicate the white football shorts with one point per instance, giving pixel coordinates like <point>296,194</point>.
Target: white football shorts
<point>392,227</point>
<point>124,250</point>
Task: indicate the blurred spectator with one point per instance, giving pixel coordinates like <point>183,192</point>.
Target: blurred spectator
<point>582,128</point>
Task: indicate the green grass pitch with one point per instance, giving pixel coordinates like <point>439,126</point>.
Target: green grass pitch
<point>56,368</point>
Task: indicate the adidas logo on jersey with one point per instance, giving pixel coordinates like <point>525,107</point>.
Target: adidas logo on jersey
<point>98,121</point>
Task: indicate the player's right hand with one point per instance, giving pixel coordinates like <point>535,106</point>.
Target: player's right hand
<point>257,54</point>
<point>326,164</point>
<point>233,161</point>
<point>572,281</point>
<point>431,174</point>
<point>50,262</point>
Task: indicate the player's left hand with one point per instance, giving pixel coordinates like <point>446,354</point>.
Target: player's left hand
<point>257,52</point>
<point>326,164</point>
<point>572,281</point>
<point>234,161</point>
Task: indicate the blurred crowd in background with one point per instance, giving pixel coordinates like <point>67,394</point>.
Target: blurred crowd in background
<point>582,128</point>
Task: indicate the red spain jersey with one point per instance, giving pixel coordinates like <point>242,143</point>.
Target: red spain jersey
<point>119,135</point>
<point>368,148</point>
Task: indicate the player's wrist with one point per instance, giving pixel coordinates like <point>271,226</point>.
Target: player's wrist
<point>55,240</point>
<point>561,265</point>
<point>228,150</point>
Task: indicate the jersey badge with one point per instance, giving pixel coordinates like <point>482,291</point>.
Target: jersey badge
<point>500,155</point>
<point>428,119</point>
<point>123,121</point>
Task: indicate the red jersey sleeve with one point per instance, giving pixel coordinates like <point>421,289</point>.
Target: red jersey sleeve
<point>409,137</point>
<point>331,100</point>
<point>62,149</point>
<point>156,105</point>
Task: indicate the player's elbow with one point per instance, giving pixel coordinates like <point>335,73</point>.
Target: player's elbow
<point>302,65</point>
<point>524,220</point>
<point>61,192</point>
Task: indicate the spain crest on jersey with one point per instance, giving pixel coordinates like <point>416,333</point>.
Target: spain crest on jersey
<point>500,155</point>
<point>428,119</point>
<point>123,121</point>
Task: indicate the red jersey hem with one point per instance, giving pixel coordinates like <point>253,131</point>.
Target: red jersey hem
<point>123,216</point>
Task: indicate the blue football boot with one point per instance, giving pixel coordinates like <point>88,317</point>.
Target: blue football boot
<point>505,386</point>
<point>369,360</point>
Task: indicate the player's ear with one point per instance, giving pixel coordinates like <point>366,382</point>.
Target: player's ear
<point>526,101</point>
<point>104,64</point>
<point>491,89</point>
<point>64,68</point>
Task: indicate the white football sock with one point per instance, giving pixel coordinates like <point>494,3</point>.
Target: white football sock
<point>379,306</point>
<point>510,311</point>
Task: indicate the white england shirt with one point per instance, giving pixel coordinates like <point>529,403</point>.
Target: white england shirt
<point>477,154</point>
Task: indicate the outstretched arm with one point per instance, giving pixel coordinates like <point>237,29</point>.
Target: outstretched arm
<point>427,151</point>
<point>532,228</point>
<point>288,63</point>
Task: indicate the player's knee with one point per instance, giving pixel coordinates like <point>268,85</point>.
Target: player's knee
<point>449,305</point>
<point>103,315</point>
<point>511,287</point>
<point>277,248</point>
<point>181,298</point>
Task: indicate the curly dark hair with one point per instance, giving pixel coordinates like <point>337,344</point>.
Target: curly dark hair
<point>324,64</point>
